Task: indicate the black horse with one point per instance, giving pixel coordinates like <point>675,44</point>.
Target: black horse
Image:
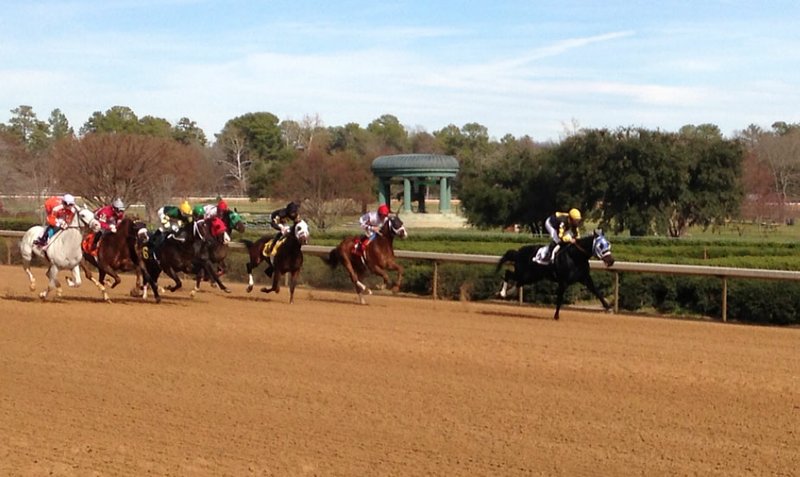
<point>571,265</point>
<point>198,252</point>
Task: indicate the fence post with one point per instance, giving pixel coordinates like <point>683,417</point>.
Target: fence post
<point>616,292</point>
<point>724,299</point>
<point>435,280</point>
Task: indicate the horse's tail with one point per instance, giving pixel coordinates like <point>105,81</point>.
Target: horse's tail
<point>333,259</point>
<point>507,257</point>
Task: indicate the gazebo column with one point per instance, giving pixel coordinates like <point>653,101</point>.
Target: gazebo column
<point>406,195</point>
<point>444,195</point>
<point>384,191</point>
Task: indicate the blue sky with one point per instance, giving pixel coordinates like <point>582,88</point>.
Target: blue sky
<point>540,68</point>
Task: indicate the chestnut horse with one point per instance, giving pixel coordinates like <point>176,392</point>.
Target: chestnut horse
<point>288,258</point>
<point>117,252</point>
<point>378,257</point>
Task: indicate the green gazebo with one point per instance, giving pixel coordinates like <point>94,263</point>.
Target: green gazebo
<point>417,172</point>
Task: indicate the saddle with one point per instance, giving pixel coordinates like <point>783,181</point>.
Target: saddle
<point>360,248</point>
<point>271,248</point>
<point>87,245</point>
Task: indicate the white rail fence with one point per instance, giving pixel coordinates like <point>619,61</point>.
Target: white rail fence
<point>723,273</point>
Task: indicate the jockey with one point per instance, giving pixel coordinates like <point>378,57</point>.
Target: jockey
<point>217,210</point>
<point>60,212</point>
<point>372,222</point>
<point>109,216</point>
<point>172,220</point>
<point>277,220</point>
<point>563,227</point>
<point>199,213</point>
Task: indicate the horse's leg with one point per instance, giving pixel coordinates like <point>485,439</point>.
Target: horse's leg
<point>276,283</point>
<point>75,281</point>
<point>381,272</point>
<point>293,284</point>
<point>354,277</point>
<point>592,288</point>
<point>26,265</point>
<point>52,275</point>
<point>88,273</point>
<point>175,278</point>
<point>250,266</point>
<point>399,268</point>
<point>562,287</point>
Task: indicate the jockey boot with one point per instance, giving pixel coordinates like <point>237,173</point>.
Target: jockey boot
<point>548,256</point>
<point>96,240</point>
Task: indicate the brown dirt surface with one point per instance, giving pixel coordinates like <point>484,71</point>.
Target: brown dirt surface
<point>238,385</point>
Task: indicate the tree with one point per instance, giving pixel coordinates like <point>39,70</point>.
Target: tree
<point>117,119</point>
<point>390,132</point>
<point>59,125</point>
<point>34,136</point>
<point>328,185</point>
<point>134,167</point>
<point>187,132</point>
<point>257,138</point>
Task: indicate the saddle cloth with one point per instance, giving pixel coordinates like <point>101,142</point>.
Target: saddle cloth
<point>271,248</point>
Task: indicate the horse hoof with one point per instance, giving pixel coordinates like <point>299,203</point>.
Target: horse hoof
<point>265,290</point>
<point>249,288</point>
<point>43,295</point>
<point>32,287</point>
<point>226,290</point>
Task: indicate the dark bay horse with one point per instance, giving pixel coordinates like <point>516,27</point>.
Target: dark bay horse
<point>288,258</point>
<point>117,252</point>
<point>377,258</point>
<point>204,246</point>
<point>571,265</point>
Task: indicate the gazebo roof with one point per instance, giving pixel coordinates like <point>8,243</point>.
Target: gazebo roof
<point>415,165</point>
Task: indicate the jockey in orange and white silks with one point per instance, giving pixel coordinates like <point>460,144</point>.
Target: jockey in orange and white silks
<point>109,217</point>
<point>371,223</point>
<point>60,212</point>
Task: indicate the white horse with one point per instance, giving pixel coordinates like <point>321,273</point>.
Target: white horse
<point>62,252</point>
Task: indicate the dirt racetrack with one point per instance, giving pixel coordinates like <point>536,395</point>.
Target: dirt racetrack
<point>244,385</point>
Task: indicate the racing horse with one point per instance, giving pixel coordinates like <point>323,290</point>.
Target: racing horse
<point>118,252</point>
<point>571,265</point>
<point>233,221</point>
<point>205,244</point>
<point>288,257</point>
<point>62,252</point>
<point>377,257</point>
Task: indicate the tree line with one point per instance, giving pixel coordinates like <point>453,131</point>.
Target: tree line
<point>634,179</point>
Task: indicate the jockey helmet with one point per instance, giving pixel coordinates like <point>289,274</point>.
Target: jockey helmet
<point>185,208</point>
<point>68,199</point>
<point>199,211</point>
<point>383,210</point>
<point>222,206</point>
<point>575,214</point>
<point>118,205</point>
<point>291,209</point>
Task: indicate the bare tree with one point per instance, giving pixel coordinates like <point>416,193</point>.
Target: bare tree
<point>232,154</point>
<point>328,185</point>
<point>136,168</point>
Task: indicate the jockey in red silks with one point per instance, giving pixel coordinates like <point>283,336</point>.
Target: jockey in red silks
<point>217,210</point>
<point>60,212</point>
<point>371,223</point>
<point>109,216</point>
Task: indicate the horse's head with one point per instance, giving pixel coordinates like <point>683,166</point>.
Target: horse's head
<point>301,232</point>
<point>601,248</point>
<point>234,221</point>
<point>139,229</point>
<point>396,227</point>
<point>85,218</point>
